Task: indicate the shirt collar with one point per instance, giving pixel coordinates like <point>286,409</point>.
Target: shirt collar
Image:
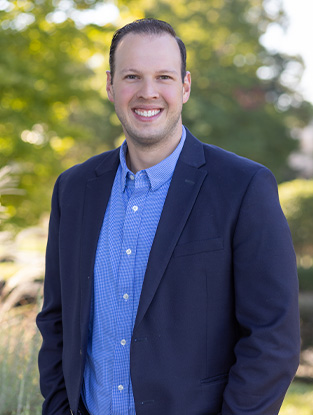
<point>158,174</point>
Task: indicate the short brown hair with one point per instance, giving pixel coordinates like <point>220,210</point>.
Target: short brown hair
<point>152,27</point>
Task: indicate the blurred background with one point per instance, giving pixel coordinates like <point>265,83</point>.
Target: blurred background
<point>252,92</point>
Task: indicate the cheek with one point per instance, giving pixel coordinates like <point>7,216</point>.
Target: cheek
<point>173,96</point>
<point>126,94</point>
<point>123,96</point>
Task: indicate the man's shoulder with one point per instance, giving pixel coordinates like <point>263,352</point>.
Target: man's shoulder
<point>235,172</point>
<point>220,159</point>
<point>91,167</point>
<point>227,171</point>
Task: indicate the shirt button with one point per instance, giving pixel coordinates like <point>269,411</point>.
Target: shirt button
<point>126,297</point>
<point>132,177</point>
<point>128,251</point>
<point>123,342</point>
<point>120,387</point>
<point>135,208</point>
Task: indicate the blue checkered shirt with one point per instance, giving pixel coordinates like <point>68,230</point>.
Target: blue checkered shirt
<point>125,240</point>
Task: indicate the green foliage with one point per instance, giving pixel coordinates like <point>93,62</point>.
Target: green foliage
<point>297,202</point>
<point>53,110</point>
<point>8,186</point>
<point>305,278</point>
<point>53,106</point>
<point>298,400</point>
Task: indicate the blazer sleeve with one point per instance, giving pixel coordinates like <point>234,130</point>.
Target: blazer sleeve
<point>266,303</point>
<point>49,322</point>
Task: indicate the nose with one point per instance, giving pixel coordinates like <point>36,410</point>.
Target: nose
<point>148,90</point>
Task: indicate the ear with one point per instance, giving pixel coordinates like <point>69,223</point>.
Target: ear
<point>186,87</point>
<point>109,86</point>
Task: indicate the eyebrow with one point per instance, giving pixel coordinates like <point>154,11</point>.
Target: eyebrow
<point>158,72</point>
<point>167,71</point>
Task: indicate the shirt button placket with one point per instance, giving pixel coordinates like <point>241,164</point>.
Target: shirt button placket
<point>126,271</point>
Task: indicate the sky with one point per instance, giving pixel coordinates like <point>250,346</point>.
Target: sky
<point>297,40</point>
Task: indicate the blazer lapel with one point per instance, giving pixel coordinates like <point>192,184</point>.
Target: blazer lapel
<point>97,194</point>
<point>184,188</point>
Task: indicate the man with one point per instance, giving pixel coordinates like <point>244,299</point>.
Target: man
<point>171,283</point>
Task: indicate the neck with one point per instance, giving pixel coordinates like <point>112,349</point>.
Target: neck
<point>142,157</point>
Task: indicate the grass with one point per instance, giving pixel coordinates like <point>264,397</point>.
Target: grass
<point>19,345</point>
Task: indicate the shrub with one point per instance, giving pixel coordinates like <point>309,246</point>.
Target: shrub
<point>297,202</point>
<point>305,278</point>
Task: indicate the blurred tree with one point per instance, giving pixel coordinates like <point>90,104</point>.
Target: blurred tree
<point>54,110</point>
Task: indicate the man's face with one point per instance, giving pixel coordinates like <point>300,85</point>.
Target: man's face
<point>147,88</point>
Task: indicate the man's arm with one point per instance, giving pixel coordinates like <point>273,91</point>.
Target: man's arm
<point>266,298</point>
<point>49,322</point>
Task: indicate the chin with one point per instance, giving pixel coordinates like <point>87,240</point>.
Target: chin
<point>146,137</point>
<point>147,140</point>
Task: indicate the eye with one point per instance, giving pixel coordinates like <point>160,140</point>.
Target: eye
<point>131,76</point>
<point>165,77</point>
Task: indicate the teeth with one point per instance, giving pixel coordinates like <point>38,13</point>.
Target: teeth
<point>150,113</point>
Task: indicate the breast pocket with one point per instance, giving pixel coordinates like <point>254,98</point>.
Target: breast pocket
<point>198,247</point>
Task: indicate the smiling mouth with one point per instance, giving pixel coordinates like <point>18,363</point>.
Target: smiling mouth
<point>147,113</point>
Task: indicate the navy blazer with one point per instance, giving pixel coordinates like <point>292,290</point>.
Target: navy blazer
<point>217,327</point>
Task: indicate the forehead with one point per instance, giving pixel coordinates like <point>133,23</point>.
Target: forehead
<point>146,50</point>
